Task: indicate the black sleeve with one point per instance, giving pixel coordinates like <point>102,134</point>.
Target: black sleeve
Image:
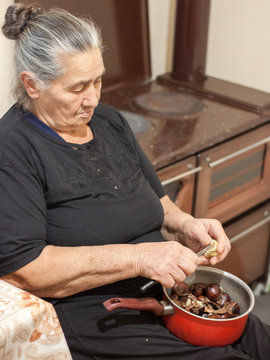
<point>23,218</point>
<point>150,172</point>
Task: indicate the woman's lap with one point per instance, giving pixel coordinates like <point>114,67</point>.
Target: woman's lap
<point>140,335</point>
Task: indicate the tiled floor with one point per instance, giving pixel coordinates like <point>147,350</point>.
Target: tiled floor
<point>262,307</point>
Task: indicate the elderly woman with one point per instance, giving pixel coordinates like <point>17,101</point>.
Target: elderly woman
<point>83,214</point>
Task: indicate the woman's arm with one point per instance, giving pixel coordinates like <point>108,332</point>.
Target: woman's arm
<point>193,233</point>
<point>63,271</point>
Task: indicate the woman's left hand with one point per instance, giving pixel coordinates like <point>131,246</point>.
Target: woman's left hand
<point>194,233</point>
<point>198,233</point>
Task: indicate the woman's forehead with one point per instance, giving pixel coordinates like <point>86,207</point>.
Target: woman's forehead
<point>86,65</point>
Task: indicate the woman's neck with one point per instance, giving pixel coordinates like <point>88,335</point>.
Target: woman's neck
<point>83,136</point>
<point>79,135</point>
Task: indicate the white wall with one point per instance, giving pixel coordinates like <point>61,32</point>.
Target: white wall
<point>6,65</point>
<point>238,42</point>
<point>161,26</point>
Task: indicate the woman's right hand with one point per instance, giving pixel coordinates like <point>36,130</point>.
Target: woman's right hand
<point>167,262</point>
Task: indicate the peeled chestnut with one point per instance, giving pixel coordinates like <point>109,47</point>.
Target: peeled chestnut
<point>181,289</point>
<point>225,297</point>
<point>212,291</point>
<point>197,289</point>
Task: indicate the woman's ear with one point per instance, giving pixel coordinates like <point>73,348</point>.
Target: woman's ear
<point>30,84</point>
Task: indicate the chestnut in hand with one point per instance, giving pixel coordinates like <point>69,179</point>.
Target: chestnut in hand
<point>212,291</point>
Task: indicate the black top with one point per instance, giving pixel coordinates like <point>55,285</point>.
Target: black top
<point>41,125</point>
<point>54,192</point>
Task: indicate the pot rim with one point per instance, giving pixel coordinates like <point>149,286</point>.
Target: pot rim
<point>227,274</point>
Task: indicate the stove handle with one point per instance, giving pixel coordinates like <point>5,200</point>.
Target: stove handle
<point>236,153</point>
<point>181,176</point>
<point>250,229</point>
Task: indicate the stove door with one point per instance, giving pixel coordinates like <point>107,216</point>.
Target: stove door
<point>235,176</point>
<point>249,236</point>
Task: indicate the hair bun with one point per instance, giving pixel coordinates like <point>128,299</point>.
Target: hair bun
<point>17,17</point>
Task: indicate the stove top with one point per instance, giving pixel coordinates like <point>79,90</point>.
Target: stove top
<point>172,123</point>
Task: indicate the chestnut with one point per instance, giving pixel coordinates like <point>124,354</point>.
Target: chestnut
<point>209,301</point>
<point>225,297</point>
<point>202,298</point>
<point>174,297</point>
<point>234,307</point>
<point>214,316</point>
<point>201,311</point>
<point>197,289</point>
<point>227,315</point>
<point>181,289</point>
<point>212,291</point>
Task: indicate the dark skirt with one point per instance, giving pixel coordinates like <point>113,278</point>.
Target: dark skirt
<point>94,333</point>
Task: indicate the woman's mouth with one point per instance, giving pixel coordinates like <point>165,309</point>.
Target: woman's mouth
<point>86,113</point>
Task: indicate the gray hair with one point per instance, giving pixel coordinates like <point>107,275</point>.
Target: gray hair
<point>41,37</point>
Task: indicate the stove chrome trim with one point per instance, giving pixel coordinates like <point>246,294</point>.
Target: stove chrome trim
<point>239,152</point>
<point>250,229</point>
<point>181,176</point>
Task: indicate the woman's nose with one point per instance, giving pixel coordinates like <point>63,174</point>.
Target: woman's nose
<point>91,97</point>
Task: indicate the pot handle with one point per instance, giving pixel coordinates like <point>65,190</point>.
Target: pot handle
<point>146,304</point>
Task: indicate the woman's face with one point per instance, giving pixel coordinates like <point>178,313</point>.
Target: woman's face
<point>71,99</point>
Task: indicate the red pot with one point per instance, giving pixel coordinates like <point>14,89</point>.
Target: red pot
<point>192,328</point>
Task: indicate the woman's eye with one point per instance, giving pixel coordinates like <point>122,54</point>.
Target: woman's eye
<point>77,90</point>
